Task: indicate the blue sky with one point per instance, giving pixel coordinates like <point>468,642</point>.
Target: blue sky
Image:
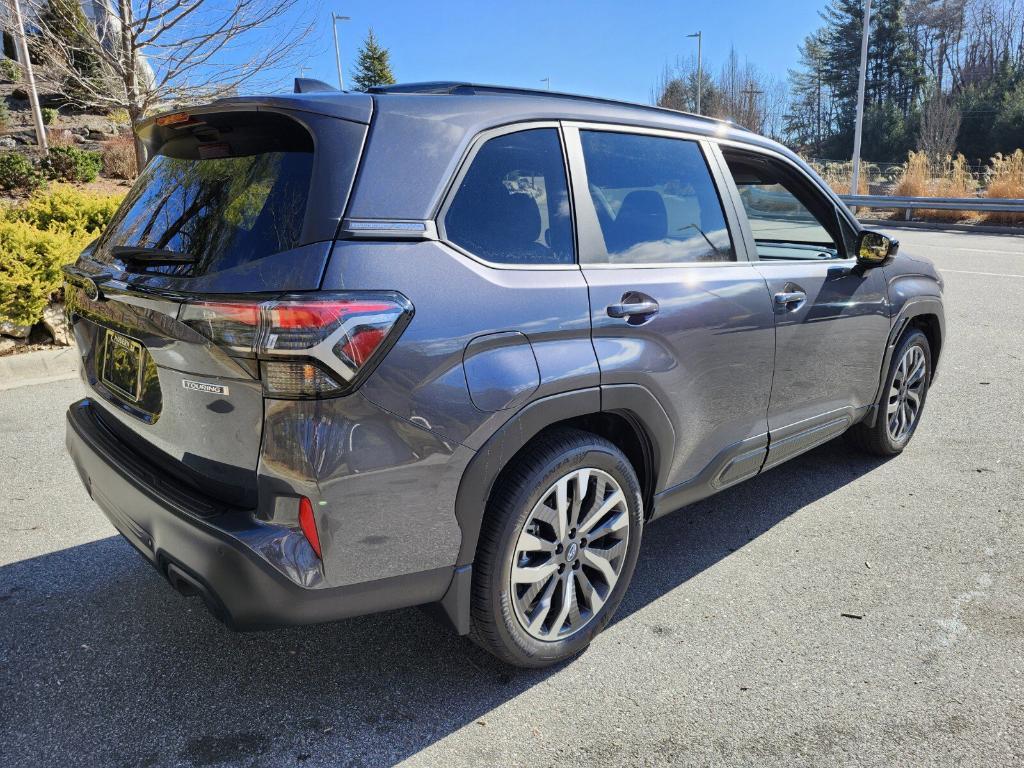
<point>610,49</point>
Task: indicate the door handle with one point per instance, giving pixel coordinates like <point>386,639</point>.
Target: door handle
<point>787,298</point>
<point>633,308</point>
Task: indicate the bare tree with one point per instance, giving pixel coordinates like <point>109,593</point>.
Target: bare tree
<point>940,122</point>
<point>148,53</point>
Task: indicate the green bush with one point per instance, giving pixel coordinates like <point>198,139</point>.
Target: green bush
<point>66,208</point>
<point>49,115</point>
<point>72,164</point>
<point>10,70</point>
<point>30,268</point>
<point>17,174</point>
<point>5,114</point>
<point>40,236</point>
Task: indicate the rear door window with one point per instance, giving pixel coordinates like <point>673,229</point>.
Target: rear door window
<point>512,205</point>
<point>656,202</point>
<point>216,197</point>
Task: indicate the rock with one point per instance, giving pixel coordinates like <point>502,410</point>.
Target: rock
<point>56,325</point>
<point>8,345</point>
<point>7,142</point>
<point>7,328</point>
<point>97,136</point>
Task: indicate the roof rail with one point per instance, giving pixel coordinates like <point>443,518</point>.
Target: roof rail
<point>456,88</point>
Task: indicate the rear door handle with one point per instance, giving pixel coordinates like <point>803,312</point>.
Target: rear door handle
<point>633,308</point>
<point>788,298</point>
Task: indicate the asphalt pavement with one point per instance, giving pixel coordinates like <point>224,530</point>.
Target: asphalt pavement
<point>836,610</point>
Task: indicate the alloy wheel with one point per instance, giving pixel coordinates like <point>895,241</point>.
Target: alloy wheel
<point>569,554</point>
<point>906,393</point>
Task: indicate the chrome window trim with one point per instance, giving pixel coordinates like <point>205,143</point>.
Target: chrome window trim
<point>403,229</point>
<point>591,228</point>
<point>463,168</point>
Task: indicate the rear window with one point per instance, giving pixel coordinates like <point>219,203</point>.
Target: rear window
<point>227,190</point>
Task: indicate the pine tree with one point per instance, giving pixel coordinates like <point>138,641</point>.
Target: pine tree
<point>372,67</point>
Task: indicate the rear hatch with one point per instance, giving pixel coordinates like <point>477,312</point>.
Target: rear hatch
<point>233,216</point>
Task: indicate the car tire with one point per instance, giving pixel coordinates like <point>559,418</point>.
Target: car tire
<point>523,560</point>
<point>897,415</point>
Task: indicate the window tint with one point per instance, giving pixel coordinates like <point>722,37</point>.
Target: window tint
<point>655,200</point>
<point>788,220</point>
<point>223,203</point>
<point>512,206</point>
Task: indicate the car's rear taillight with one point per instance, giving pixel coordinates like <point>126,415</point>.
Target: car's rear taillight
<point>307,347</point>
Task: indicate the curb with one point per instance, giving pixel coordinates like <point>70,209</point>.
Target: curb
<point>941,226</point>
<point>39,367</point>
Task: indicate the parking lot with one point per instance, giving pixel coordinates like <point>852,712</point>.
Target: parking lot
<point>838,609</point>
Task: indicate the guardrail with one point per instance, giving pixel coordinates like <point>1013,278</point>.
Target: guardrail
<point>980,204</point>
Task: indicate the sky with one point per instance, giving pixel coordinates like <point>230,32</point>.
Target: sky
<point>610,49</point>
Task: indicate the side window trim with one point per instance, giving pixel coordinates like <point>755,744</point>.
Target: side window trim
<point>462,168</point>
<point>809,181</point>
<point>590,243</point>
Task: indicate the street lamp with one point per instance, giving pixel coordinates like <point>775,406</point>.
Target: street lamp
<point>546,80</point>
<point>335,18</point>
<point>700,45</point>
<point>858,127</point>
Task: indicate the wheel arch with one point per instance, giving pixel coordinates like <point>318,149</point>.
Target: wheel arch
<point>924,313</point>
<point>628,415</point>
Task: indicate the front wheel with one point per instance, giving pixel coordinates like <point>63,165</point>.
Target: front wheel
<point>557,550</point>
<point>902,400</point>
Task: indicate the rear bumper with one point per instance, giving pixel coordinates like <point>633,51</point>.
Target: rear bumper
<point>195,546</point>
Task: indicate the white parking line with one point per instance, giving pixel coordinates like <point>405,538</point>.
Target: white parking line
<point>988,274</point>
<point>988,250</point>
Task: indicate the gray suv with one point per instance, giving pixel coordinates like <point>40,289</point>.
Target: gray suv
<point>455,345</point>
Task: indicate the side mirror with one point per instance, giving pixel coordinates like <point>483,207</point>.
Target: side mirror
<point>874,248</point>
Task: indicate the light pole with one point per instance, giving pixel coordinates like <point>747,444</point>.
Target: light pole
<point>855,174</point>
<point>700,79</point>
<point>546,80</point>
<point>26,62</point>
<point>335,18</point>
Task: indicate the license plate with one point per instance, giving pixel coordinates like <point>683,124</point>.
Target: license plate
<point>122,365</point>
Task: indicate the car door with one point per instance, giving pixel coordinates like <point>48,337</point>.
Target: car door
<point>675,305</point>
<point>831,315</point>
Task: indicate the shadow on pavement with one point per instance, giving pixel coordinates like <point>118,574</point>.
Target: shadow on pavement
<point>101,663</point>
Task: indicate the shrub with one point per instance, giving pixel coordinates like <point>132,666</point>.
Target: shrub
<point>119,157</point>
<point>1006,179</point>
<point>17,173</point>
<point>10,70</point>
<point>72,164</point>
<point>30,268</point>
<point>5,114</point>
<point>65,208</point>
<point>49,115</point>
<point>40,236</point>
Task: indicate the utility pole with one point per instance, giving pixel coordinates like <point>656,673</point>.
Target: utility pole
<point>857,129</point>
<point>26,62</point>
<point>335,18</point>
<point>700,73</point>
<point>546,80</point>
<point>752,93</point>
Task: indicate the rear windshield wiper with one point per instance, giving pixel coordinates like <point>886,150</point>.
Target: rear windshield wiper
<point>143,255</point>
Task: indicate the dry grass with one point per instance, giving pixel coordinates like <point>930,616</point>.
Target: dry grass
<point>119,157</point>
<point>1006,179</point>
<point>837,176</point>
<point>949,177</point>
<point>59,137</point>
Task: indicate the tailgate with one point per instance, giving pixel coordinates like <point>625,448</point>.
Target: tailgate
<point>231,208</point>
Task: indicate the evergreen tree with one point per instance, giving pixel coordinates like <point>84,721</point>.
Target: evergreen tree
<point>372,67</point>
<point>68,21</point>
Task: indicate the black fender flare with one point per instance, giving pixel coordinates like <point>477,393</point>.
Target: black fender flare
<point>914,307</point>
<point>631,400</point>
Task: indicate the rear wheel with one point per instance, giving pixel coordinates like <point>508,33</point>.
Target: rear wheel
<point>902,399</point>
<point>557,550</point>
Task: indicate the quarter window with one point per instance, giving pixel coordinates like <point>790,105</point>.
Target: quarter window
<point>512,206</point>
<point>655,200</point>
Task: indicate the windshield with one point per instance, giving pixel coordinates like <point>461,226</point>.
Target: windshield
<point>215,207</point>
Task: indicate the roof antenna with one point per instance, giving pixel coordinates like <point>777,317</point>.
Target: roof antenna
<point>309,85</point>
